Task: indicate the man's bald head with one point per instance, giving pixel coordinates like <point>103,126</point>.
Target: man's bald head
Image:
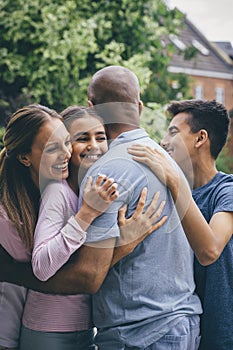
<point>114,84</point>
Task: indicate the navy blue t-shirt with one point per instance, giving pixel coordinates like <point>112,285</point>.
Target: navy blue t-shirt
<point>215,282</point>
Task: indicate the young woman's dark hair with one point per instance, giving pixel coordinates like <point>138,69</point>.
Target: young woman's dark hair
<point>19,195</point>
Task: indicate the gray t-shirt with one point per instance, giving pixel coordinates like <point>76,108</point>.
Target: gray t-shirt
<point>215,282</point>
<point>146,293</point>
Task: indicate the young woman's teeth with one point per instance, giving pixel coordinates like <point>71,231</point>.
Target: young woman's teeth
<point>60,166</point>
<point>93,156</point>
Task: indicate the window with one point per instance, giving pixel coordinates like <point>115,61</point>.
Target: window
<point>219,94</point>
<point>201,48</point>
<point>199,93</point>
<point>175,40</point>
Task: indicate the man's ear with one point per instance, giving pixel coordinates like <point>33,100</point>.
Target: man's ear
<point>140,107</point>
<point>202,137</point>
<point>24,159</point>
<point>90,103</point>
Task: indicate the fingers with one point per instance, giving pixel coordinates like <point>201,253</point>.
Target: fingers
<point>138,147</point>
<point>100,180</point>
<point>151,212</point>
<point>158,224</point>
<point>108,186</point>
<point>105,183</point>
<point>140,205</point>
<point>140,150</point>
<point>121,215</point>
<point>142,154</point>
<point>108,191</point>
<point>152,219</point>
<point>158,212</point>
<point>113,196</point>
<point>145,153</point>
<point>143,160</point>
<point>152,207</point>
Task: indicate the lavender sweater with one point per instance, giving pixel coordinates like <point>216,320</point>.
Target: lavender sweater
<point>57,236</point>
<point>12,297</point>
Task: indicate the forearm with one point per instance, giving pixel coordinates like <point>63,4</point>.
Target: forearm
<point>120,252</point>
<point>84,274</point>
<point>51,253</point>
<point>201,237</point>
<point>123,249</point>
<point>206,244</point>
<point>63,282</point>
<point>21,274</point>
<point>87,271</point>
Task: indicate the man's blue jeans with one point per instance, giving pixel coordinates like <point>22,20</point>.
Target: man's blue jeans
<point>185,335</point>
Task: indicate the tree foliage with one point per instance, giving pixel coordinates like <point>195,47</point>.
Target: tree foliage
<point>224,162</point>
<point>154,121</point>
<point>50,49</point>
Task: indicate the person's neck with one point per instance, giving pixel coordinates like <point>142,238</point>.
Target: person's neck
<point>114,132</point>
<point>40,182</point>
<point>203,171</point>
<point>75,178</point>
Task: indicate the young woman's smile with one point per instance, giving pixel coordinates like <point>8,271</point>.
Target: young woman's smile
<point>51,152</point>
<point>88,140</point>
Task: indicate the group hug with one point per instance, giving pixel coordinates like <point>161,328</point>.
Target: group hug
<point>109,240</point>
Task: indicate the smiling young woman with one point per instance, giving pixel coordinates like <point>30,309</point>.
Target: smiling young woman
<point>20,195</point>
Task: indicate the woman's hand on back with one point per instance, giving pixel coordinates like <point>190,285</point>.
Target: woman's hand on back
<point>143,221</point>
<point>97,198</point>
<point>136,228</point>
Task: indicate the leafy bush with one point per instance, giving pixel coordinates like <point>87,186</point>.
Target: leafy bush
<point>154,121</point>
<point>224,162</point>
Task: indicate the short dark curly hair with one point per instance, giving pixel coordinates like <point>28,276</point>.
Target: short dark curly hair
<point>203,114</point>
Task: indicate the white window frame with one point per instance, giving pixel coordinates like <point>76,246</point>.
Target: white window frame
<point>220,94</point>
<point>201,48</point>
<point>178,42</point>
<point>199,92</point>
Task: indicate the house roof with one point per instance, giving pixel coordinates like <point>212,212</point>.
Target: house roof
<point>226,47</point>
<point>210,59</point>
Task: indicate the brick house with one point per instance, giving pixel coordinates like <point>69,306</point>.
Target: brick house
<point>210,70</point>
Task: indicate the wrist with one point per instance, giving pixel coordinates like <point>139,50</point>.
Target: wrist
<point>173,183</point>
<point>85,217</point>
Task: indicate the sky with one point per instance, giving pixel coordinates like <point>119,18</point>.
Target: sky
<point>214,18</point>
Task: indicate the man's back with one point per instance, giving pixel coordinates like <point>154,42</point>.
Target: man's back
<point>147,292</point>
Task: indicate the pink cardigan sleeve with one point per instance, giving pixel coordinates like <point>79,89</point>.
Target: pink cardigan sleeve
<point>57,234</point>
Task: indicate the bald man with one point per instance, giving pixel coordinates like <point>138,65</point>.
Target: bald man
<point>147,300</point>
